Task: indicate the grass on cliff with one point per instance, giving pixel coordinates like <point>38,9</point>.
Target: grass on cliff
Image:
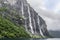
<point>8,29</point>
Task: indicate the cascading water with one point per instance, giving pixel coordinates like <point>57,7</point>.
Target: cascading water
<point>36,19</point>
<point>40,27</point>
<point>34,24</point>
<point>30,24</point>
<point>23,16</point>
<point>41,33</point>
<point>22,10</point>
<point>39,24</point>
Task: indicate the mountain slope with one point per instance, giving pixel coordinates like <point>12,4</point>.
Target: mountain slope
<point>21,13</point>
<point>8,29</point>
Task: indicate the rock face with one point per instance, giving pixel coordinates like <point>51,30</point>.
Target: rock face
<point>33,23</point>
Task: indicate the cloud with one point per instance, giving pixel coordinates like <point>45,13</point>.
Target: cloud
<point>57,8</point>
<point>49,10</point>
<point>52,20</point>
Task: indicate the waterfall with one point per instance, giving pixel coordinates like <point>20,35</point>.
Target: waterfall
<point>30,24</point>
<point>34,23</point>
<point>39,24</point>
<point>22,10</point>
<point>40,27</point>
<point>24,17</point>
<point>41,33</point>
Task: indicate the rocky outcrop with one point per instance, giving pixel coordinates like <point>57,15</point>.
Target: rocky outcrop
<point>33,23</point>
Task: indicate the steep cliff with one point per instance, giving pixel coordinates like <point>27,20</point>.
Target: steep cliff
<point>32,22</point>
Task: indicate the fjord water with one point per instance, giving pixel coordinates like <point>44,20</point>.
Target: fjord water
<point>30,39</point>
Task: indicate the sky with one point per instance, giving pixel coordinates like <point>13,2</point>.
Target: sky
<point>49,10</point>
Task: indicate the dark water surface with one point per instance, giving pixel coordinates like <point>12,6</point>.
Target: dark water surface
<point>29,39</point>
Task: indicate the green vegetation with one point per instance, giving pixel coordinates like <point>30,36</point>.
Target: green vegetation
<point>8,29</point>
<point>3,9</point>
